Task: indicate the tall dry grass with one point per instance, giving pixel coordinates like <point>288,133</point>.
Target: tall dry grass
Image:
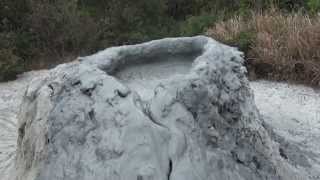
<point>282,46</point>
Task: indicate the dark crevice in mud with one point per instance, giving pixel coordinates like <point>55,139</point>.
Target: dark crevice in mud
<point>21,130</point>
<point>88,91</point>
<point>194,114</point>
<point>256,162</point>
<point>235,157</point>
<point>91,114</point>
<point>76,83</point>
<point>47,139</point>
<point>122,94</point>
<point>52,90</point>
<point>147,112</point>
<point>169,170</point>
<point>282,153</point>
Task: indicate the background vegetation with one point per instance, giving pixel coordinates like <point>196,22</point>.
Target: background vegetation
<point>277,46</point>
<point>281,38</point>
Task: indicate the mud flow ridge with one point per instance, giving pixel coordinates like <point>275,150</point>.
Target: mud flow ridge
<point>144,75</point>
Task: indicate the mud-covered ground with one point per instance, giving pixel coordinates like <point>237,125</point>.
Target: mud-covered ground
<point>11,94</point>
<point>293,112</point>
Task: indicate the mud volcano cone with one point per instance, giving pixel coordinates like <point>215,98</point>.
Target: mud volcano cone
<point>171,109</point>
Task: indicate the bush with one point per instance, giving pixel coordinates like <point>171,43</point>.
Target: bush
<point>196,25</point>
<point>47,32</point>
<point>10,65</point>
<point>290,5</point>
<point>129,22</point>
<point>59,28</point>
<point>283,46</point>
<point>314,6</point>
<point>234,33</point>
<point>243,41</point>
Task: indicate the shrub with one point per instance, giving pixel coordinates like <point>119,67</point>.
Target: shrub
<point>196,25</point>
<point>53,30</point>
<point>234,32</point>
<point>244,40</point>
<point>60,28</point>
<point>10,65</point>
<point>285,44</point>
<point>314,6</point>
<point>290,5</point>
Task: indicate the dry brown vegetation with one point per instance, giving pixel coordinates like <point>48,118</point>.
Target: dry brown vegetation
<point>278,46</point>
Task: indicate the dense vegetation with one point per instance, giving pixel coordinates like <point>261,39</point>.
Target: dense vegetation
<point>277,46</point>
<point>42,33</point>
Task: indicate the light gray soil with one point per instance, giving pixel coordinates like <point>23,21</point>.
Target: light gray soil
<point>11,94</point>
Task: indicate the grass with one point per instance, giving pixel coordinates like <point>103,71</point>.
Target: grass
<point>278,46</point>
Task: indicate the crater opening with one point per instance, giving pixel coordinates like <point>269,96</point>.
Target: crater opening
<point>144,74</point>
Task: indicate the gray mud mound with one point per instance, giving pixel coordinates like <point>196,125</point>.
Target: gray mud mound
<point>171,109</point>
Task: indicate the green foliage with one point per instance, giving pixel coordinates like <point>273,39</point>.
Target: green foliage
<point>10,65</point>
<point>196,25</point>
<point>12,14</point>
<point>245,7</point>
<point>135,21</point>
<point>243,40</point>
<point>290,5</point>
<point>314,6</point>
<point>59,28</point>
